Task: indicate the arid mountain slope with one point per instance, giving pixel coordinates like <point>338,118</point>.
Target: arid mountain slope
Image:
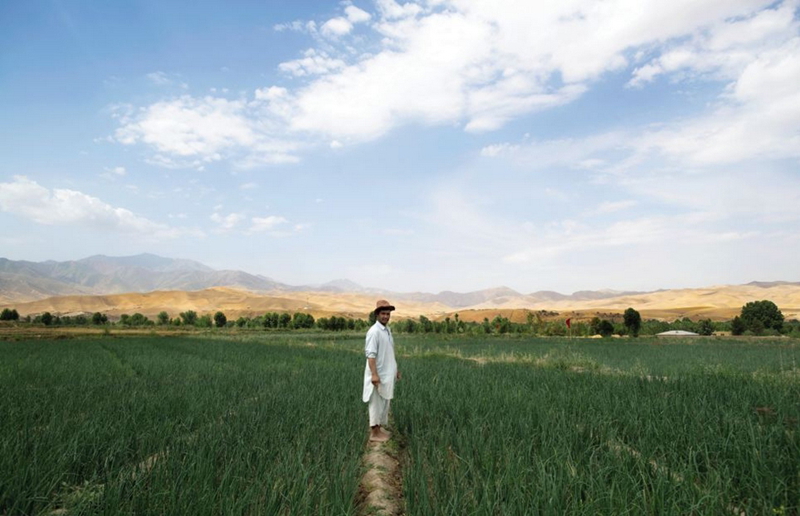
<point>715,302</point>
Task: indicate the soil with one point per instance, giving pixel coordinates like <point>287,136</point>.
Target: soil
<point>380,490</point>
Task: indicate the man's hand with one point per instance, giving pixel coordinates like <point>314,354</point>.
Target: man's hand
<point>399,376</point>
<point>376,380</point>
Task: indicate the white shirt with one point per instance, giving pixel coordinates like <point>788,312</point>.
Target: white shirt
<point>380,345</point>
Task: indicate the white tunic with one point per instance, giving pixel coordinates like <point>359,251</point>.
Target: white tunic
<point>380,345</point>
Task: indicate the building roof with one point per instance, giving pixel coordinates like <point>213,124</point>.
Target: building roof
<point>677,333</point>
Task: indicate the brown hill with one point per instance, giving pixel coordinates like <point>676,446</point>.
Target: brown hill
<point>718,303</point>
<point>233,302</point>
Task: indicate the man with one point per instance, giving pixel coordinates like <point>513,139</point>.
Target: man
<point>380,372</point>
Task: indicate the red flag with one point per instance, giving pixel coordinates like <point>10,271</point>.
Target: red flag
<point>569,322</point>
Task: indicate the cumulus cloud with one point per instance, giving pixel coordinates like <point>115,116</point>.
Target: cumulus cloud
<point>27,198</point>
<point>495,61</point>
<point>189,131</point>
<point>356,15</point>
<point>336,27</point>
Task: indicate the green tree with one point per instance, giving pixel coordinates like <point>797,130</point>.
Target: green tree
<point>138,319</point>
<point>758,316</point>
<point>705,327</point>
<point>605,328</point>
<point>162,318</point>
<point>204,321</point>
<point>189,317</point>
<point>220,320</point>
<point>98,318</point>
<point>9,315</point>
<point>47,318</point>
<point>737,326</point>
<point>633,321</point>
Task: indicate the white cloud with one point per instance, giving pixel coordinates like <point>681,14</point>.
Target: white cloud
<point>269,223</point>
<point>313,63</point>
<point>189,131</point>
<point>227,222</point>
<point>336,27</point>
<point>495,61</point>
<point>28,199</point>
<point>356,15</point>
<point>248,186</point>
<point>189,126</point>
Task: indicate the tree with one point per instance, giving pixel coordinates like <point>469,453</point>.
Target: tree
<point>594,325</point>
<point>633,321</point>
<point>758,316</point>
<point>220,320</point>
<point>605,328</point>
<point>98,318</point>
<point>9,315</point>
<point>189,317</point>
<point>138,319</point>
<point>47,318</point>
<point>162,318</point>
<point>737,326</point>
<point>204,321</point>
<point>705,327</point>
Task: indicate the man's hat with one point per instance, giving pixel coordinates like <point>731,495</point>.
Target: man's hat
<point>383,305</point>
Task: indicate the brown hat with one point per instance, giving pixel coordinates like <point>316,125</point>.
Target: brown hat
<point>383,305</point>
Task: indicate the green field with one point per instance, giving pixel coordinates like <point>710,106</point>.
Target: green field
<point>273,424</point>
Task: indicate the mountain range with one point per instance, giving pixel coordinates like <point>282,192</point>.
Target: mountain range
<point>22,281</point>
<point>149,283</point>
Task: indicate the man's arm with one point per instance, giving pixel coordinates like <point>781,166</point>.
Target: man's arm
<point>373,367</point>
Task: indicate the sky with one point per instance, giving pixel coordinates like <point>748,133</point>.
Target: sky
<point>413,146</point>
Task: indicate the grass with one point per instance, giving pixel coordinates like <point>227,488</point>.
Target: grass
<point>273,424</point>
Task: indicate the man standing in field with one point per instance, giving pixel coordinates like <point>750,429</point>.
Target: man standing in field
<point>380,372</point>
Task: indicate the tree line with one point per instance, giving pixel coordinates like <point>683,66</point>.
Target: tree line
<point>756,318</point>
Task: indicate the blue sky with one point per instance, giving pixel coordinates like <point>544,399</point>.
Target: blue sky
<point>418,146</point>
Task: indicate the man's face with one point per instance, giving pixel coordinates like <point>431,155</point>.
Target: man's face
<point>384,316</point>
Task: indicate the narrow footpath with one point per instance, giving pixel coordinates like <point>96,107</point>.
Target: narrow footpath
<point>381,489</point>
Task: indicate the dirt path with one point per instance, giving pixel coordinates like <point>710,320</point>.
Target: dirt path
<point>381,490</point>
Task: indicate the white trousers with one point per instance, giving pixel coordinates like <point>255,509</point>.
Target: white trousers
<point>378,409</point>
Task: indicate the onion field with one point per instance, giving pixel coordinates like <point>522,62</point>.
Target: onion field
<point>273,424</point>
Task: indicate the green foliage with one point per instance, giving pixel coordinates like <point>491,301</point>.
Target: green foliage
<point>99,319</point>
<point>220,320</point>
<point>605,328</point>
<point>9,314</point>
<point>177,426</point>
<point>188,318</point>
<point>204,321</point>
<point>302,320</point>
<point>47,318</point>
<point>758,316</point>
<point>561,436</point>
<point>633,321</point>
<point>737,326</point>
<point>705,327</point>
<point>162,318</point>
